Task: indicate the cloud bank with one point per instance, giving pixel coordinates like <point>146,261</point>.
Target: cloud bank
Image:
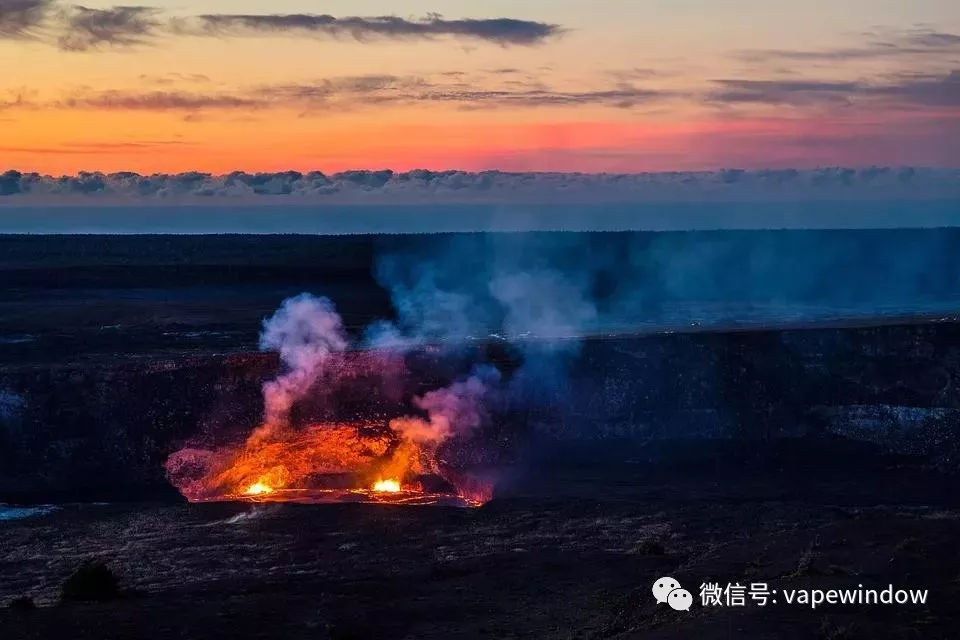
<point>909,43</point>
<point>422,186</point>
<point>931,90</point>
<point>499,30</point>
<point>78,28</point>
<point>83,29</point>
<point>21,19</point>
<point>357,92</point>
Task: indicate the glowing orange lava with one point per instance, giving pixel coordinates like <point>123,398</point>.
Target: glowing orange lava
<point>392,458</point>
<point>387,486</point>
<point>327,462</point>
<point>258,489</point>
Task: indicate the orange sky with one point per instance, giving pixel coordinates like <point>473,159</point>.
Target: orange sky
<point>642,86</point>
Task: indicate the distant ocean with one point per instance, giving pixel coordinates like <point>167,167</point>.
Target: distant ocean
<point>372,219</point>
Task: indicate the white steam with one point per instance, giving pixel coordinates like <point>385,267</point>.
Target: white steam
<point>307,332</point>
<point>543,301</point>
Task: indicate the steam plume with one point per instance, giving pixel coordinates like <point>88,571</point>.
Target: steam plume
<point>452,411</point>
<point>307,332</point>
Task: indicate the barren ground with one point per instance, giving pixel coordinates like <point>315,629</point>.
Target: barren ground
<point>575,564</point>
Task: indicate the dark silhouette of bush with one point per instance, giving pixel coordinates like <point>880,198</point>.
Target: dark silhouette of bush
<point>91,582</point>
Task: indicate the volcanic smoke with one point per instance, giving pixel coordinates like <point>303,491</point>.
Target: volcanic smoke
<point>280,460</point>
<point>443,300</point>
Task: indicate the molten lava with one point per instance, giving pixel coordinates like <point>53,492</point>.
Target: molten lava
<point>258,489</point>
<point>323,463</point>
<point>387,486</point>
<point>401,459</point>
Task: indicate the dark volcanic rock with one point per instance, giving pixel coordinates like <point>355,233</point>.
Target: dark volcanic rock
<point>91,582</point>
<point>566,563</point>
<point>23,603</point>
<point>103,430</point>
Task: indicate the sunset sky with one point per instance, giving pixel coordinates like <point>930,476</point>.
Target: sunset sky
<point>558,85</point>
